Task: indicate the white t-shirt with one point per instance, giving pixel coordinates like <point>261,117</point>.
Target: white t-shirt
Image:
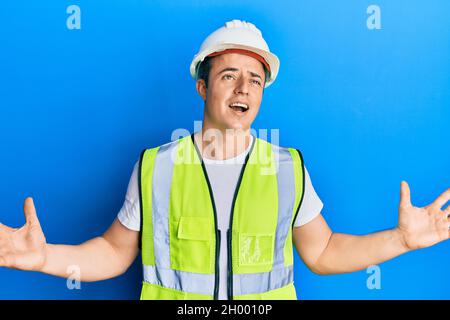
<point>223,176</point>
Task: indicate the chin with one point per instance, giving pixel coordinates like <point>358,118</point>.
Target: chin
<point>239,127</point>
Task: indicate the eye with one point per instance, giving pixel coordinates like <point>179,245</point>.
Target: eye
<point>256,82</point>
<point>228,77</point>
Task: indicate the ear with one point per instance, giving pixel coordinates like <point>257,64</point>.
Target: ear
<point>201,88</point>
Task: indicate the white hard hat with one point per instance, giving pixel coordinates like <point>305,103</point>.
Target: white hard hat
<point>241,35</point>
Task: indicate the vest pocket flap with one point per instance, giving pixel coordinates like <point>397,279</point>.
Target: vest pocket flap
<point>194,228</point>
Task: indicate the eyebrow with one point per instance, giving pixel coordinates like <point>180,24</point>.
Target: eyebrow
<point>253,74</point>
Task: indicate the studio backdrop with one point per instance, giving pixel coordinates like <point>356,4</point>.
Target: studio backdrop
<point>363,91</point>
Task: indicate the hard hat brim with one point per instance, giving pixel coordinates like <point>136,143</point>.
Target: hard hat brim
<point>271,59</point>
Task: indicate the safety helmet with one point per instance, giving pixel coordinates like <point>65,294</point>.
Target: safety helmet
<point>237,36</point>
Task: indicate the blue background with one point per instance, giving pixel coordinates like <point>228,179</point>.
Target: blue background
<point>367,108</point>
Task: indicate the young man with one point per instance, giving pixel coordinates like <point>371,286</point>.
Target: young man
<point>216,213</point>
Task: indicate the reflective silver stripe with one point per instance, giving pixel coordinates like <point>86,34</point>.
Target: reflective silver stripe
<point>286,202</point>
<point>162,178</point>
<point>180,280</point>
<point>262,282</point>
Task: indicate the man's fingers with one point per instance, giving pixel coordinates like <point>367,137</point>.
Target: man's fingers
<point>5,262</point>
<point>449,231</point>
<point>30,212</point>
<point>405,196</point>
<point>6,228</point>
<point>442,199</point>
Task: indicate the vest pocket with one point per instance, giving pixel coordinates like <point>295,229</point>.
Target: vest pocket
<point>191,247</point>
<point>255,249</point>
<point>194,228</point>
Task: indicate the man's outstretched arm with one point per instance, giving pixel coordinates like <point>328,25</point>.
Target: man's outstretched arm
<point>100,258</point>
<point>325,252</point>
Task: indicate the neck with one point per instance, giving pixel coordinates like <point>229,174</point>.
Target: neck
<point>222,144</point>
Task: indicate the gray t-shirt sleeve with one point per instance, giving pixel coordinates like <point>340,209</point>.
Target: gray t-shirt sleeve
<point>311,205</point>
<point>130,215</point>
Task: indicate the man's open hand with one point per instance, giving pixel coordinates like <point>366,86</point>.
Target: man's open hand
<point>423,227</point>
<point>23,248</point>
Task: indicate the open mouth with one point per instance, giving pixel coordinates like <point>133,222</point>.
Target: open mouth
<point>239,107</point>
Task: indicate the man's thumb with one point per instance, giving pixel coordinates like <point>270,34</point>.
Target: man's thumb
<point>405,197</point>
<point>30,212</point>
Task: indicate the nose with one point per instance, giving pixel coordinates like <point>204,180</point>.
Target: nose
<point>241,86</point>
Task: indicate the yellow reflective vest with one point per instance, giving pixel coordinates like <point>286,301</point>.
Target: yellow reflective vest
<point>180,239</point>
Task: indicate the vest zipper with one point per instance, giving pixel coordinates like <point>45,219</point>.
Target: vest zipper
<point>229,233</point>
<point>230,229</point>
<point>217,231</point>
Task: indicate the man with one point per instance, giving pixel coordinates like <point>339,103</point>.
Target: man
<point>216,213</point>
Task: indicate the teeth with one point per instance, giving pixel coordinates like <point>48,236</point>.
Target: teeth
<point>238,104</point>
